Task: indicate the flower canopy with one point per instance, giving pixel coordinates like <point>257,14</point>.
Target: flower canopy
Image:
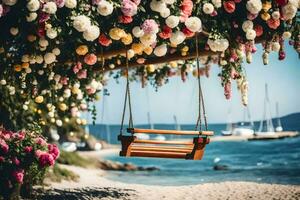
<point>54,53</point>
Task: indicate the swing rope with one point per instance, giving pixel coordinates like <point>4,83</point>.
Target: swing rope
<point>127,98</point>
<point>201,108</point>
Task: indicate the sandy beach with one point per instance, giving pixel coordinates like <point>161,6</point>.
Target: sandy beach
<point>93,185</point>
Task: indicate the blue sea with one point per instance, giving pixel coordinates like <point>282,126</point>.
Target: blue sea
<point>272,161</point>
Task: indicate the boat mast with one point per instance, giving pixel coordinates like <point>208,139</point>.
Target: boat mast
<point>279,126</point>
<point>267,116</point>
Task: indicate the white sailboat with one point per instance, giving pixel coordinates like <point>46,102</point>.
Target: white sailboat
<point>266,125</point>
<point>278,125</point>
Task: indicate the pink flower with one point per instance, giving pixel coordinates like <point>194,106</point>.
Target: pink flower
<point>64,80</point>
<point>90,90</point>
<point>38,153</point>
<point>229,6</point>
<point>227,90</point>
<point>251,16</point>
<point>149,26</point>
<point>43,17</point>
<point>96,2</point>
<point>1,10</point>
<point>137,2</point>
<point>18,175</point>
<point>4,147</point>
<point>46,159</point>
<point>90,59</point>
<point>281,55</point>
<point>186,9</point>
<point>60,3</point>
<point>128,8</point>
<point>1,159</point>
<point>82,74</point>
<point>234,74</point>
<point>166,32</point>
<point>259,30</point>
<point>53,150</point>
<point>16,161</point>
<point>273,23</point>
<point>77,67</point>
<point>28,149</point>
<point>187,32</point>
<point>40,141</point>
<point>6,135</point>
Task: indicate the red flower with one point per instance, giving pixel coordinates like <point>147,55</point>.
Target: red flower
<point>259,30</point>
<point>281,55</point>
<point>28,149</point>
<point>186,9</point>
<point>125,19</point>
<point>281,2</point>
<point>1,159</point>
<point>104,41</point>
<point>166,32</point>
<point>229,6</point>
<point>16,161</point>
<point>4,147</point>
<point>187,32</point>
<point>273,24</point>
<point>53,150</point>
<point>18,175</point>
<point>46,159</point>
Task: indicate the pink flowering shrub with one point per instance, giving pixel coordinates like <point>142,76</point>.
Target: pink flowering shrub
<point>24,157</point>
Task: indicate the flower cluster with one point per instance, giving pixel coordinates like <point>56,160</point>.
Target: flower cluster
<point>19,153</point>
<point>53,53</point>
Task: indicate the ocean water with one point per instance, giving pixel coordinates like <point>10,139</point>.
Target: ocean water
<point>272,161</point>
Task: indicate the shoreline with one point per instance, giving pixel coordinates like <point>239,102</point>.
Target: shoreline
<point>94,180</point>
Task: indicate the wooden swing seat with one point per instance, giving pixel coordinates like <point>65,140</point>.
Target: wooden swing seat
<point>193,150</point>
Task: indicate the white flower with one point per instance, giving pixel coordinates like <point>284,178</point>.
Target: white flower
<point>248,24</point>
<point>71,4</point>
<point>177,38</point>
<point>217,3</point>
<point>9,2</point>
<point>276,15</point>
<point>81,23</point>
<point>95,85</point>
<point>50,7</point>
<point>14,31</point>
<point>172,21</point>
<point>56,51</point>
<point>254,6</point>
<point>286,35</point>
<point>3,82</point>
<point>43,42</point>
<point>193,24</point>
<point>289,11</point>
<point>158,6</point>
<point>31,17</point>
<point>170,2</point>
<point>49,58</point>
<point>218,44</point>
<point>148,39</point>
<point>165,13</point>
<point>67,93</point>
<point>137,32</point>
<point>250,34</point>
<point>92,33</point>
<point>39,59</point>
<point>51,33</point>
<point>208,8</point>
<point>33,5</point>
<point>161,50</point>
<point>275,46</point>
<point>105,8</point>
<point>295,3</point>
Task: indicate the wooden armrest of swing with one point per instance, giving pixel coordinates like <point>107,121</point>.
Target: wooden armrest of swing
<point>172,132</point>
<point>163,142</point>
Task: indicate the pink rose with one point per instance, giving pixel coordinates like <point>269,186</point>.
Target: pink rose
<point>187,32</point>
<point>186,9</point>
<point>229,6</point>
<point>125,19</point>
<point>28,149</point>
<point>53,150</point>
<point>40,141</point>
<point>77,67</point>
<point>96,2</point>
<point>18,175</point>
<point>251,16</point>
<point>273,24</point>
<point>259,30</point>
<point>128,8</point>
<point>16,161</point>
<point>90,90</point>
<point>137,2</point>
<point>4,147</point>
<point>46,159</point>
<point>166,32</point>
<point>90,59</point>
<point>60,3</point>
<point>1,10</point>
<point>149,26</point>
<point>64,80</point>
<point>82,74</point>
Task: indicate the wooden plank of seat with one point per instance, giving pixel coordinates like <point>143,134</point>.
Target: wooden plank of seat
<point>158,154</point>
<point>162,149</point>
<point>173,132</point>
<point>163,142</point>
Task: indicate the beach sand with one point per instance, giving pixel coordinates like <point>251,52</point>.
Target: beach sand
<point>92,185</point>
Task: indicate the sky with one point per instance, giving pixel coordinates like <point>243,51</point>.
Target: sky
<point>180,99</point>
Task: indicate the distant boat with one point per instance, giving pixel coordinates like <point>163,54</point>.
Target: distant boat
<point>279,126</point>
<point>241,129</point>
<point>266,125</point>
<point>143,136</point>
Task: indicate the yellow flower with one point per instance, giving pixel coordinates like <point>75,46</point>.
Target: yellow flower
<point>185,49</point>
<point>266,6</point>
<point>63,107</point>
<point>39,111</point>
<point>82,50</point>
<point>42,122</point>
<point>150,68</point>
<point>173,64</point>
<point>25,65</point>
<point>127,39</point>
<point>137,48</point>
<point>173,45</point>
<point>117,33</point>
<point>148,50</point>
<point>265,16</point>
<point>18,68</point>
<point>183,53</point>
<point>75,90</point>
<point>39,99</point>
